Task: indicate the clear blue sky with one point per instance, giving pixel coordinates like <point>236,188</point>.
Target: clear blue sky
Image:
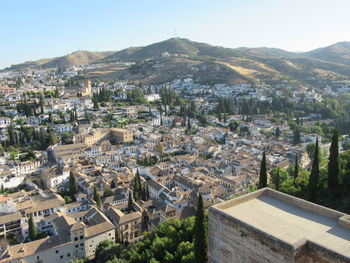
<point>33,29</point>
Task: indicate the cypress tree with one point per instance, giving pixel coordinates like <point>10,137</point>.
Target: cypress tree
<point>71,118</point>
<point>278,179</point>
<point>56,93</point>
<point>41,102</point>
<point>113,184</point>
<point>130,203</point>
<point>98,201</point>
<point>72,184</point>
<point>11,133</point>
<point>333,164</point>
<point>200,242</point>
<point>95,100</point>
<point>263,172</point>
<point>296,167</point>
<point>97,197</point>
<point>147,192</point>
<point>95,193</point>
<point>32,231</point>
<point>143,193</point>
<point>189,126</point>
<point>296,135</point>
<point>137,186</point>
<point>314,178</point>
<point>277,132</point>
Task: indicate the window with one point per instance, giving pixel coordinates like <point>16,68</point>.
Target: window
<point>56,251</point>
<point>76,238</point>
<point>61,256</point>
<point>76,245</point>
<point>81,237</point>
<point>81,244</point>
<point>37,258</point>
<point>68,255</point>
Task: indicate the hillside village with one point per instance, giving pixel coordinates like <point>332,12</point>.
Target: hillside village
<point>85,160</point>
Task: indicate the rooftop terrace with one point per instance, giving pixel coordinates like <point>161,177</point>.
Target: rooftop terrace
<point>291,220</point>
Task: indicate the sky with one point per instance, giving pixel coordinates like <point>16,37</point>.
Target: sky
<point>34,29</point>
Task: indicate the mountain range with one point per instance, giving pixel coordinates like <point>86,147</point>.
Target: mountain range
<point>177,58</point>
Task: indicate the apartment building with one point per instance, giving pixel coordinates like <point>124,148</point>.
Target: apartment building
<point>128,226</point>
<point>123,135</point>
<point>95,136</point>
<point>67,153</point>
<point>74,235</point>
<point>37,203</point>
<point>10,224</point>
<point>20,168</point>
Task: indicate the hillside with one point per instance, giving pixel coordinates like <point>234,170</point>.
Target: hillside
<point>73,59</point>
<point>267,52</point>
<point>337,53</point>
<point>210,64</point>
<point>177,58</point>
<point>179,46</point>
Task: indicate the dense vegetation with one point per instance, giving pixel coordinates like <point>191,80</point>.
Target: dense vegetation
<point>171,241</point>
<point>327,183</point>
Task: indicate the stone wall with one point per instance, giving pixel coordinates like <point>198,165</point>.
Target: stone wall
<point>232,241</point>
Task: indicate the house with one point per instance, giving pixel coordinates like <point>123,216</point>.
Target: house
<point>21,168</point>
<point>128,225</point>
<point>56,176</point>
<point>63,128</point>
<point>6,90</point>
<point>5,122</point>
<point>72,236</point>
<point>155,189</point>
<point>10,224</point>
<point>10,180</point>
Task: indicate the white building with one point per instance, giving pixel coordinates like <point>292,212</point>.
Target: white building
<point>10,180</point>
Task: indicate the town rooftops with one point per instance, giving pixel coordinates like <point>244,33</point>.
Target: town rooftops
<point>290,220</point>
<point>98,229</point>
<point>9,218</point>
<point>120,218</point>
<point>70,147</point>
<point>23,250</point>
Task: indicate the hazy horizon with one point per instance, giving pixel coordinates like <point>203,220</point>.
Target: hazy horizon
<point>35,30</point>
